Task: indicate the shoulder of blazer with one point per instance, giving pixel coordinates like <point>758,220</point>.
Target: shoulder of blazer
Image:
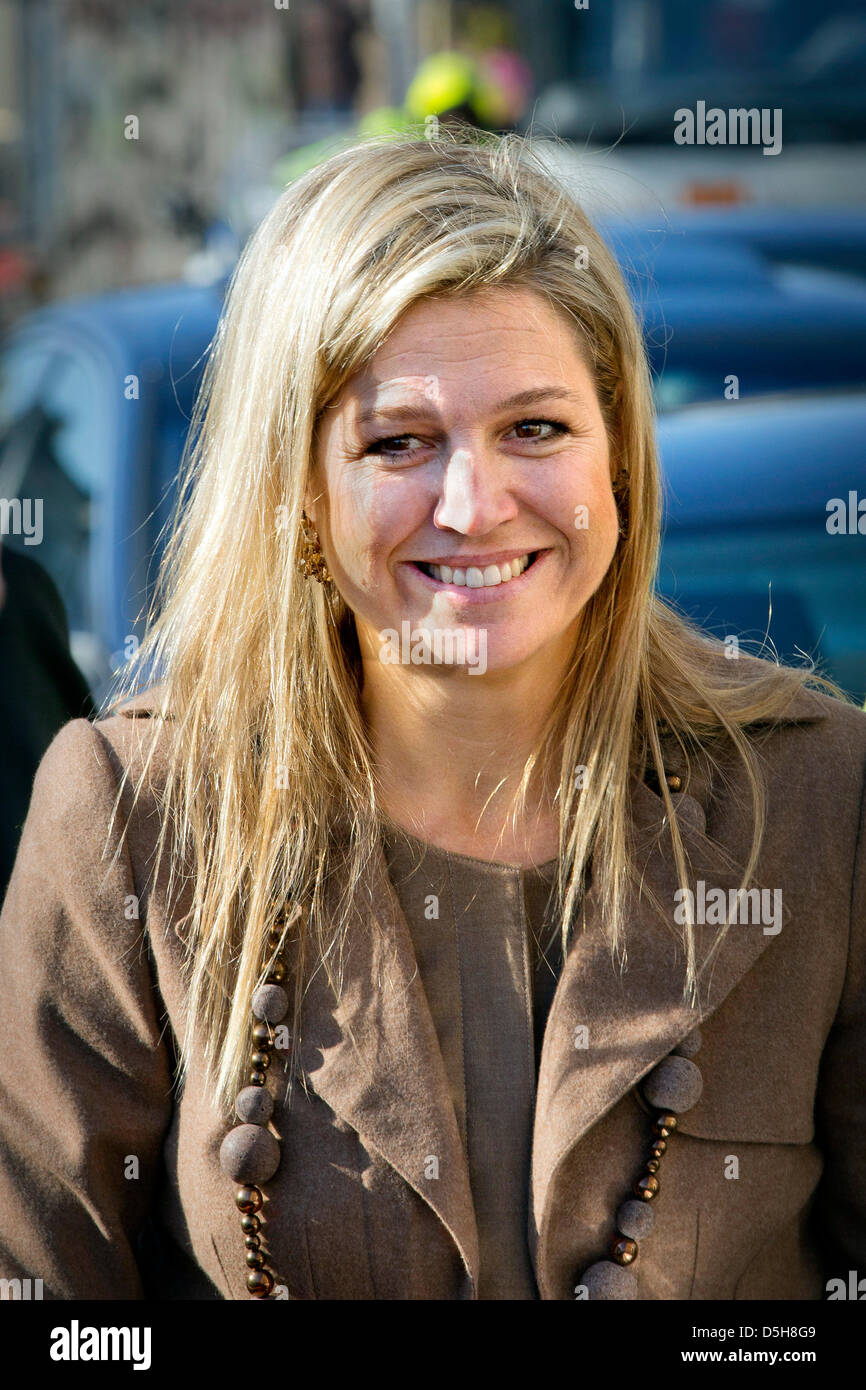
<point>814,738</point>
<point>129,733</point>
<point>146,705</point>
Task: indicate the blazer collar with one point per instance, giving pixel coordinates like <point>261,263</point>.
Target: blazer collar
<point>374,1056</point>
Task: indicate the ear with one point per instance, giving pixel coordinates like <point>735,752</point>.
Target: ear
<point>311,508</point>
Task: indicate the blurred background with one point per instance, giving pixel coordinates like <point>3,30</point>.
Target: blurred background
<point>141,143</point>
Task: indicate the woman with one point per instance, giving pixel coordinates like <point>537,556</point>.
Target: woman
<point>389,942</point>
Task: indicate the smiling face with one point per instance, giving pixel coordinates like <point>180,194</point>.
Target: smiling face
<point>462,481</point>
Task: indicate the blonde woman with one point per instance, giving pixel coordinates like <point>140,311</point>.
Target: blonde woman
<point>436,915</point>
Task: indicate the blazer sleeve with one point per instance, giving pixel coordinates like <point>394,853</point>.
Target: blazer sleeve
<point>85,1074</point>
<point>840,1112</point>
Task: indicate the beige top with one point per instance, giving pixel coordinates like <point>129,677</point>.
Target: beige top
<point>478,931</point>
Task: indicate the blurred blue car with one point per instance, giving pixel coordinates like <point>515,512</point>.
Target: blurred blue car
<point>95,403</point>
<point>764,538</point>
<point>96,398</point>
<point>715,307</point>
<point>830,239</point>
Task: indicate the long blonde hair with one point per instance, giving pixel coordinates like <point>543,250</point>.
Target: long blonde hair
<point>270,780</point>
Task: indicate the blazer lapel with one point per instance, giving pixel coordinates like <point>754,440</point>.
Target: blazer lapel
<point>375,1059</point>
<point>634,1018</point>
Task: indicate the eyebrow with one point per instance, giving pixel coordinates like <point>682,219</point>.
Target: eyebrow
<point>534,396</point>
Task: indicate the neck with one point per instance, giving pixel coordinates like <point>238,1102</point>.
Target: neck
<point>450,749</point>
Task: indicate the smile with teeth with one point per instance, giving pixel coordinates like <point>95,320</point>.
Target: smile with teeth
<point>475,578</point>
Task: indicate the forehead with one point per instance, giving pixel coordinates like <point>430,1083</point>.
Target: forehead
<point>511,318</point>
<point>472,342</point>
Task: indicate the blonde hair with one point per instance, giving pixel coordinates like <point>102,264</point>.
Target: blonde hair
<point>269,779</point>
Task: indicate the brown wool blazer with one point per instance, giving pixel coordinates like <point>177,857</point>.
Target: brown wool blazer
<point>110,1185</point>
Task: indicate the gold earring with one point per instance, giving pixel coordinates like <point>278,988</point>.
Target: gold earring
<point>312,562</point>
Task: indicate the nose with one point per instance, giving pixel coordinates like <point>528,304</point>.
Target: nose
<point>475,495</point>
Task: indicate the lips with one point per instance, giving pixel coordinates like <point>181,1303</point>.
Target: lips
<point>477,576</point>
<point>481,576</point>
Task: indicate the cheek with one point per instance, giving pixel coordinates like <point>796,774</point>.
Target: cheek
<point>579,501</point>
<point>370,513</point>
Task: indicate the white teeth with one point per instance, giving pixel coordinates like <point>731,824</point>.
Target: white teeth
<point>475,578</point>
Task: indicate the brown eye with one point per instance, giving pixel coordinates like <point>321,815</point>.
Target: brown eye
<point>392,444</point>
<point>534,429</point>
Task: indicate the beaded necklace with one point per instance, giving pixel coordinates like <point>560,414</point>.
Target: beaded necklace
<point>250,1153</point>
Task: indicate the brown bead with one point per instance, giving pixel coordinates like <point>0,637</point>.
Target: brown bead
<point>658,1148</point>
<point>653,1165</point>
<point>255,1259</point>
<point>623,1250</point>
<point>665,1126</point>
<point>260,1283</point>
<point>690,1045</point>
<point>249,1199</point>
<point>252,1242</point>
<point>270,1004</point>
<point>609,1281</point>
<point>261,1060</point>
<point>646,1187</point>
<point>255,1105</point>
<point>277,973</point>
<point>250,1154</point>
<point>635,1219</point>
<point>674,1085</point>
<point>257,1078</point>
<point>261,1036</point>
<point>250,1224</point>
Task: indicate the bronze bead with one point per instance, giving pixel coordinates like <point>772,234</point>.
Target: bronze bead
<point>261,1060</point>
<point>665,1126</point>
<point>257,1078</point>
<point>260,1283</point>
<point>261,1036</point>
<point>652,1166</point>
<point>249,1199</point>
<point>623,1250</point>
<point>252,1242</point>
<point>646,1187</point>
<point>674,782</point>
<point>658,1148</point>
<point>277,973</point>
<point>255,1259</point>
<point>250,1224</point>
